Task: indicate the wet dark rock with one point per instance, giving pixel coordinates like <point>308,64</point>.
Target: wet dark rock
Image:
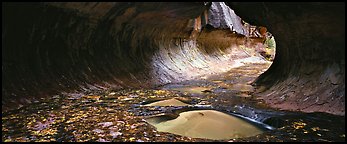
<point>206,91</point>
<point>276,122</point>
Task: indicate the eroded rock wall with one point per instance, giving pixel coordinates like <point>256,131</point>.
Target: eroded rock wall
<point>53,47</point>
<point>50,48</point>
<point>308,72</point>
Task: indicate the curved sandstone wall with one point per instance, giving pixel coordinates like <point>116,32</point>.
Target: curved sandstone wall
<point>55,47</point>
<point>308,72</point>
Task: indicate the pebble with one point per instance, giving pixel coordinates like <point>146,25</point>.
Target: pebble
<point>115,134</point>
<point>105,124</point>
<point>102,140</point>
<point>139,140</point>
<point>98,131</point>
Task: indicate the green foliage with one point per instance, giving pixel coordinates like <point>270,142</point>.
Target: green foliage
<point>270,43</point>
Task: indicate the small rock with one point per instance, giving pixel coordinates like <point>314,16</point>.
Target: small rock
<point>203,103</point>
<point>115,134</point>
<point>102,140</point>
<point>121,122</point>
<point>206,91</point>
<point>127,99</point>
<point>105,124</point>
<point>98,131</point>
<point>133,96</point>
<point>56,96</point>
<point>133,126</point>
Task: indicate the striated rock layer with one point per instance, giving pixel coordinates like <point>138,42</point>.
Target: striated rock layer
<point>308,73</point>
<point>50,48</point>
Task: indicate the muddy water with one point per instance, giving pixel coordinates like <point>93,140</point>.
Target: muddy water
<point>120,116</point>
<point>208,124</point>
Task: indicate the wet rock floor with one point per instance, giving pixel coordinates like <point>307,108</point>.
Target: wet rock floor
<point>119,116</point>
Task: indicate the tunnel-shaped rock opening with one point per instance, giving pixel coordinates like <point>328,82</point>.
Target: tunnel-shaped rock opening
<point>67,64</point>
<point>310,59</point>
<point>67,47</point>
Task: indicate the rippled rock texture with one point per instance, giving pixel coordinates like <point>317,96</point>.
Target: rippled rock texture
<point>53,47</point>
<point>308,72</point>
